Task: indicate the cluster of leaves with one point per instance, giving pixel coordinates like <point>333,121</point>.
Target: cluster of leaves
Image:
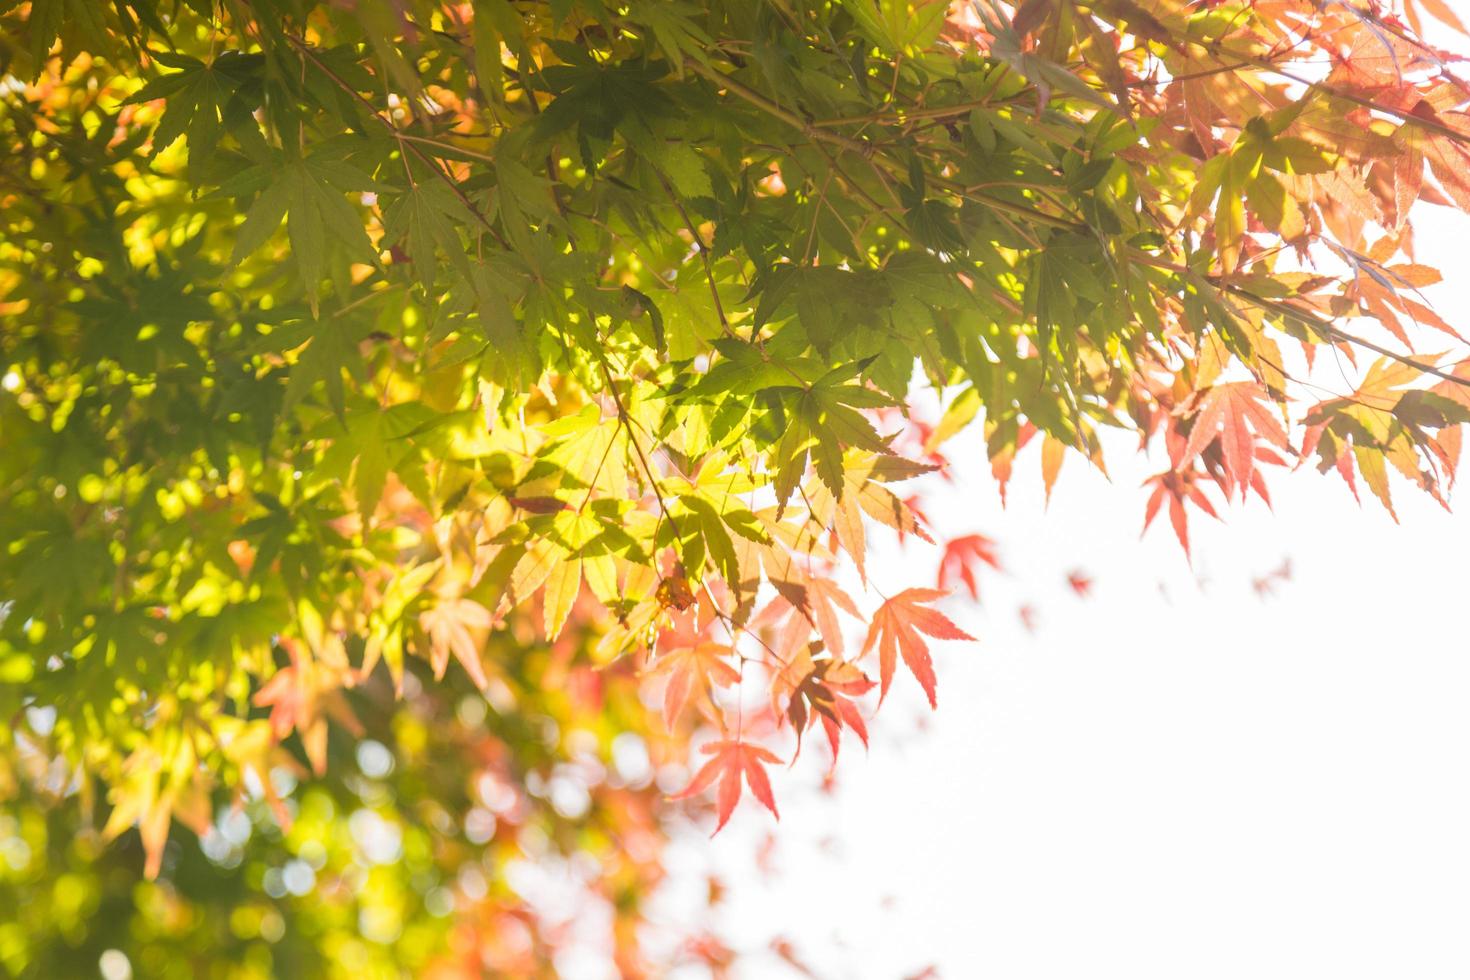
<point>508,343</point>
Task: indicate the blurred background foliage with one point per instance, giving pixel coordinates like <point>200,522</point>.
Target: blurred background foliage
<point>448,838</point>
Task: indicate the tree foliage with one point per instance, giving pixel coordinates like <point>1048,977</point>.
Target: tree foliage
<point>361,353</point>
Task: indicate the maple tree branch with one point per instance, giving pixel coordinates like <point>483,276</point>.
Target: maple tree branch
<point>1329,329</point>
<point>596,474</point>
<point>866,149</point>
<point>901,116</point>
<point>452,148</point>
<point>399,136</point>
<point>1310,320</point>
<point>773,108</point>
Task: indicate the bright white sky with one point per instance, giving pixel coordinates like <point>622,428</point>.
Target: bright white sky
<point>1204,784</point>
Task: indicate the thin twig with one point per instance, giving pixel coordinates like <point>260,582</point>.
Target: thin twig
<point>704,251</point>
<point>626,421</point>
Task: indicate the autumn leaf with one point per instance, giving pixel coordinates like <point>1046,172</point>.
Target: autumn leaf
<point>897,628</point>
<point>828,693</point>
<point>1234,414</point>
<point>807,689</point>
<point>882,505</point>
<point>452,625</point>
<point>304,693</point>
<point>962,559</point>
<point>157,788</point>
<point>825,598</point>
<point>562,586</point>
<point>693,670</point>
<point>731,760</point>
<point>1080,582</point>
<point>1175,488</point>
<point>1053,454</point>
<point>1027,615</point>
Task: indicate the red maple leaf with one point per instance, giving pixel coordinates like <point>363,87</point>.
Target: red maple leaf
<point>731,759</point>
<point>1080,582</point>
<point>1176,488</point>
<point>839,683</point>
<point>962,559</point>
<point>821,689</point>
<point>896,629</point>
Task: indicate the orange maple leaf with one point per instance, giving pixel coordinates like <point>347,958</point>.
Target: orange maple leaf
<point>896,629</point>
<point>731,758</point>
<point>693,670</point>
<point>301,695</point>
<point>1234,413</point>
<point>457,626</point>
<point>825,597</point>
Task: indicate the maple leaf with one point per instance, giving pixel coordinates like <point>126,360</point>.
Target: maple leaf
<point>830,693</point>
<point>1265,585</point>
<point>1176,485</point>
<point>289,694</point>
<point>451,626</point>
<point>824,598</point>
<point>1080,582</point>
<point>1053,454</point>
<point>962,559</point>
<point>1233,413</point>
<point>1027,616</point>
<point>786,683</point>
<point>1176,488</point>
<point>821,689</point>
<point>732,759</point>
<point>896,629</point>
<point>301,694</point>
<point>693,670</point>
<point>158,788</point>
